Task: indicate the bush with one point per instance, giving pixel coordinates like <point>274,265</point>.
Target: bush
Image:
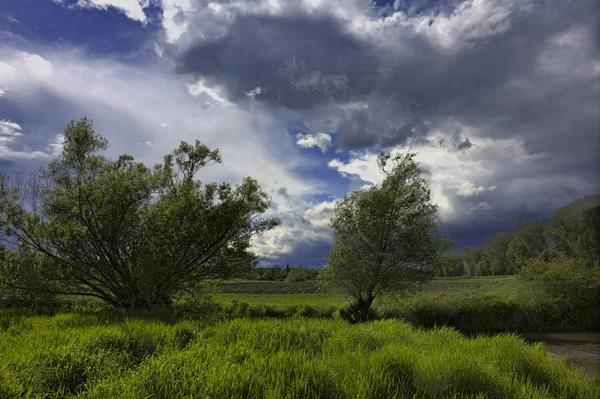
<point>569,286</point>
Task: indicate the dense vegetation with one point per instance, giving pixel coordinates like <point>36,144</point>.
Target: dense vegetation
<point>573,233</point>
<point>117,230</point>
<point>96,355</point>
<point>288,274</point>
<point>111,285</point>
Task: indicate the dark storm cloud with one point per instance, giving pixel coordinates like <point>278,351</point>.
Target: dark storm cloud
<point>298,62</point>
<point>313,66</point>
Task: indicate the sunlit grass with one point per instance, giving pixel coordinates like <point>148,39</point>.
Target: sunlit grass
<point>93,356</point>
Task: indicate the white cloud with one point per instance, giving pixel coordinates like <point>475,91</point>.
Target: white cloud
<point>132,8</point>
<point>174,22</point>
<point>200,87</point>
<point>306,226</point>
<point>2,92</point>
<point>479,208</point>
<point>10,134</point>
<point>472,20</point>
<point>23,66</point>
<point>468,189</point>
<point>10,129</point>
<point>319,215</point>
<point>449,173</point>
<point>362,165</point>
<point>308,140</point>
<point>56,147</point>
<point>254,92</point>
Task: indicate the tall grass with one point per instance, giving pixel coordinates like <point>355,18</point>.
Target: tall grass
<point>96,356</point>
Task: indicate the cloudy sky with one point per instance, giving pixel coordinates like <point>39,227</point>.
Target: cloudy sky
<point>499,98</point>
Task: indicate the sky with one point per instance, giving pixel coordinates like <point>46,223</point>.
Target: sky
<point>500,99</point>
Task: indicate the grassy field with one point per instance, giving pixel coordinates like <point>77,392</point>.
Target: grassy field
<point>104,355</point>
<point>431,304</point>
<point>448,284</point>
<point>271,340</point>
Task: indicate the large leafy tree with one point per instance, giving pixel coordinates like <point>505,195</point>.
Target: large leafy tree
<point>384,236</point>
<point>126,233</point>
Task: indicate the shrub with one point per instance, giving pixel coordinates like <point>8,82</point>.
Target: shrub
<point>569,286</point>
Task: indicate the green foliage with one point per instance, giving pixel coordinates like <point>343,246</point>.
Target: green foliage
<point>474,261</point>
<point>89,356</point>
<point>26,279</point>
<point>128,234</point>
<point>383,236</point>
<point>573,230</point>
<point>494,258</point>
<point>528,242</point>
<point>288,274</point>
<point>588,239</point>
<point>450,265</point>
<point>569,285</point>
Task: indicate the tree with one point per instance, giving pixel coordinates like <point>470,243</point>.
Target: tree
<point>494,254</point>
<point>564,231</point>
<point>589,236</point>
<point>128,234</point>
<point>450,265</point>
<point>569,284</point>
<point>528,242</point>
<point>384,236</point>
<point>474,259</point>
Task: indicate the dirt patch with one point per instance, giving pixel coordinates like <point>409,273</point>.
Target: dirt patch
<point>579,349</point>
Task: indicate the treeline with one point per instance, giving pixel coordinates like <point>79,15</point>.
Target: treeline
<point>288,274</point>
<point>573,232</point>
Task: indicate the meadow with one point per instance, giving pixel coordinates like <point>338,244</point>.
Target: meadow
<point>491,304</point>
<point>99,354</point>
<point>286,345</point>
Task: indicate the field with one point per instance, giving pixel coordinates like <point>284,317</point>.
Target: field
<point>98,355</point>
<point>273,341</point>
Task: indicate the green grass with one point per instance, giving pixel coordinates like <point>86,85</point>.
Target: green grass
<point>471,305</point>
<point>319,300</point>
<point>110,355</point>
<point>269,287</point>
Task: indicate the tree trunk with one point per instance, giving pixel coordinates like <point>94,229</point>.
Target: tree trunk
<point>364,305</point>
<point>358,312</point>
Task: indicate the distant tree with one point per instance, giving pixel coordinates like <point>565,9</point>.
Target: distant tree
<point>473,258</point>
<point>384,236</point>
<point>528,242</point>
<point>450,265</point>
<point>494,256</point>
<point>564,230</point>
<point>589,236</point>
<point>128,234</point>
